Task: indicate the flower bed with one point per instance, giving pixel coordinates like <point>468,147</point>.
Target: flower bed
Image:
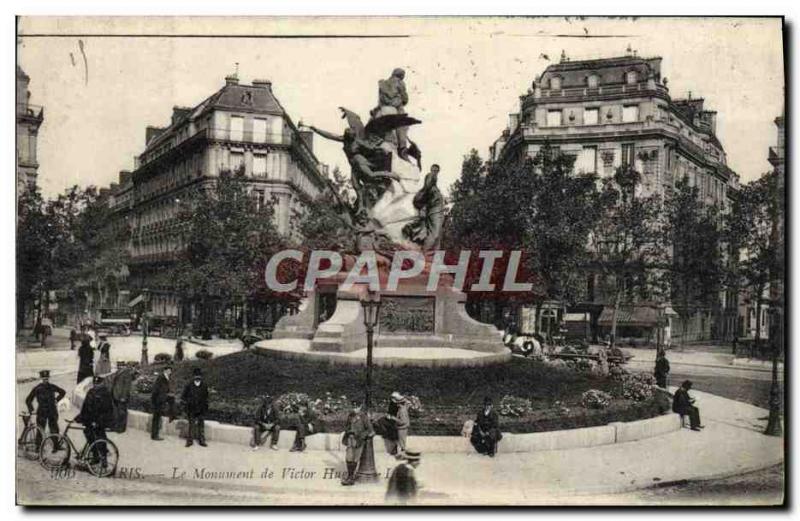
<point>535,396</point>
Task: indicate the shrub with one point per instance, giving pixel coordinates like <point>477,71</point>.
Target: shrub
<point>514,406</point>
<point>204,354</point>
<point>595,399</point>
<point>330,404</point>
<point>414,405</point>
<point>638,386</point>
<point>291,402</point>
<point>617,372</point>
<point>144,384</point>
<point>162,358</point>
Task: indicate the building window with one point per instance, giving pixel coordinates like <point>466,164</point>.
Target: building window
<point>555,83</point>
<point>237,128</point>
<point>260,165</point>
<point>630,113</point>
<point>590,116</point>
<point>631,77</point>
<point>587,160</point>
<point>236,161</point>
<point>627,155</point>
<point>553,118</point>
<point>276,129</point>
<point>592,81</point>
<point>259,130</point>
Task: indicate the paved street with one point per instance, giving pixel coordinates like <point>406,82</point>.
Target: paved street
<point>731,444</point>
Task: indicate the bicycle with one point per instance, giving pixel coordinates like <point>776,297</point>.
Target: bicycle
<point>100,457</point>
<point>31,438</point>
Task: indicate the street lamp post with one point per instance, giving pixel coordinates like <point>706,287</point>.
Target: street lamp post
<point>371,304</point>
<point>774,421</point>
<point>145,328</point>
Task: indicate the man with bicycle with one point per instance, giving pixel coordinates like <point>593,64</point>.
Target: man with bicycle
<point>97,413</point>
<point>47,396</point>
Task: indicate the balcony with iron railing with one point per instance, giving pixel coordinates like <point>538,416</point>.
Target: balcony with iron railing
<point>216,134</point>
<point>29,111</point>
<point>572,93</point>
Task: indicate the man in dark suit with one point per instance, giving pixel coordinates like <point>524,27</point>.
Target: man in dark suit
<point>195,401</point>
<point>486,431</point>
<point>47,396</point>
<point>97,414</point>
<point>683,404</point>
<point>357,430</point>
<point>161,398</point>
<point>267,422</point>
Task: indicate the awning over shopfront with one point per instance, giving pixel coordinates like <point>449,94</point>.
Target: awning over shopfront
<point>136,300</point>
<point>635,316</point>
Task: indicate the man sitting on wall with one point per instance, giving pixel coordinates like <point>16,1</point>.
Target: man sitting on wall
<point>683,404</point>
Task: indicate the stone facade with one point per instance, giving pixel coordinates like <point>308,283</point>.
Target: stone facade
<point>29,118</point>
<point>238,126</point>
<point>618,111</point>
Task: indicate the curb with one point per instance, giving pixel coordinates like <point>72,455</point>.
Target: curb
<point>616,432</point>
<point>392,361</point>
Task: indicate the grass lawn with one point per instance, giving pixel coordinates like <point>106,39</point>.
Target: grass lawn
<point>449,396</point>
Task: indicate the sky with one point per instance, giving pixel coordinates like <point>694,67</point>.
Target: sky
<point>464,77</point>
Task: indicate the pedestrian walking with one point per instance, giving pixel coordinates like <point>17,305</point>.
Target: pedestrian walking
<point>661,371</point>
<point>97,414</point>
<point>195,401</point>
<point>402,421</point>
<point>357,430</point>
<point>73,338</point>
<point>178,350</point>
<point>486,430</point>
<point>85,359</point>
<point>163,401</point>
<point>683,404</point>
<point>267,423</point>
<point>103,366</point>
<point>403,485</point>
<point>47,396</point>
<point>304,426</point>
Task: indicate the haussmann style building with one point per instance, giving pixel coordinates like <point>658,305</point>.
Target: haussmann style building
<point>29,119</point>
<point>237,126</point>
<point>616,112</point>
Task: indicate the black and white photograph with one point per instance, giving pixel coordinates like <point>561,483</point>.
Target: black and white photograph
<point>400,261</point>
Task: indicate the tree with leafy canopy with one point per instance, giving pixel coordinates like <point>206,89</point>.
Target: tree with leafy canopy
<point>538,207</point>
<point>228,236</point>
<point>749,227</point>
<point>694,271</point>
<point>626,241</point>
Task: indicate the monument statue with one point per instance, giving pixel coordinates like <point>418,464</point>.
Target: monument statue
<point>393,202</point>
<point>426,229</point>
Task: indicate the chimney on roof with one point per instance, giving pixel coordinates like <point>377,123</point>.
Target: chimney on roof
<point>124,176</point>
<point>262,84</point>
<point>231,79</point>
<point>178,113</point>
<point>150,133</point>
<point>307,135</point>
<point>114,187</point>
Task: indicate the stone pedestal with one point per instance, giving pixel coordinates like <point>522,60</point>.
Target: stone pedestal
<point>410,316</point>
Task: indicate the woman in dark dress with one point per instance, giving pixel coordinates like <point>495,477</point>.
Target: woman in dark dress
<point>486,431</point>
<point>661,370</point>
<point>86,359</point>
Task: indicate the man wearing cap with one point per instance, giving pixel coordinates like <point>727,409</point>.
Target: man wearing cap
<point>161,398</point>
<point>683,404</point>
<point>357,430</point>
<point>402,423</point>
<point>97,413</point>
<point>47,396</point>
<point>403,484</point>
<point>195,400</point>
<point>267,422</point>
